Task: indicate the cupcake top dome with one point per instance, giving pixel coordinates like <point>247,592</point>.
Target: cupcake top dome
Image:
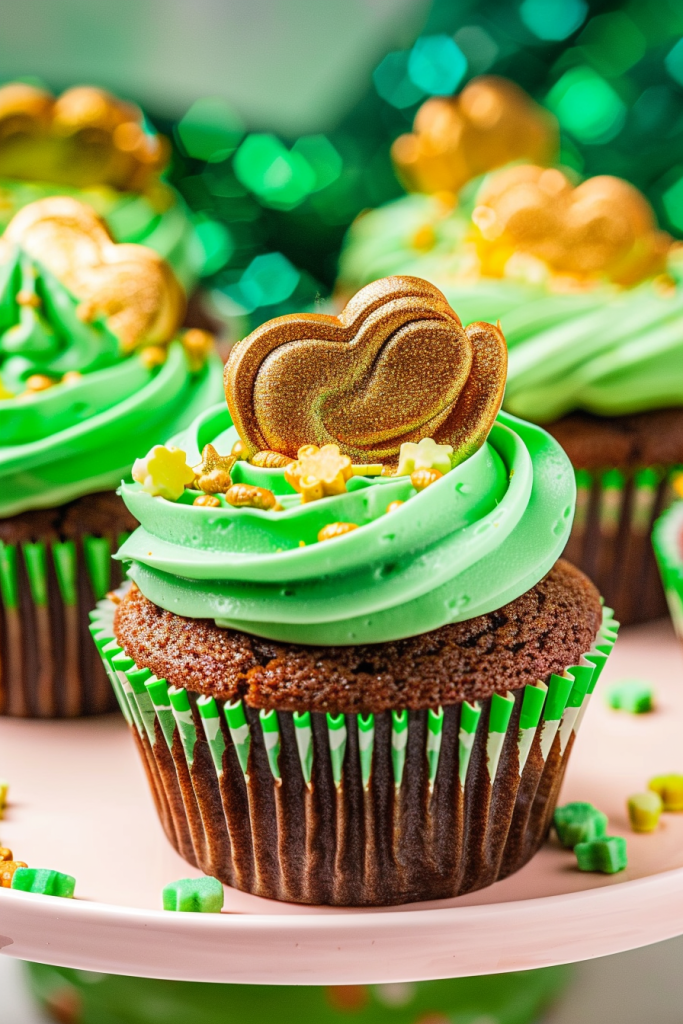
<point>88,352</point>
<point>361,485</point>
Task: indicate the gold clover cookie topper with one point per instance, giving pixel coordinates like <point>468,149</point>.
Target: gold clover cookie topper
<point>130,286</point>
<point>603,228</point>
<point>319,472</point>
<point>455,138</point>
<point>163,472</point>
<point>395,366</point>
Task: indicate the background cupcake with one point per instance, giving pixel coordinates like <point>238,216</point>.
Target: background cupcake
<point>99,149</point>
<point>348,668</point>
<point>667,539</point>
<point>588,293</point>
<point>90,362</point>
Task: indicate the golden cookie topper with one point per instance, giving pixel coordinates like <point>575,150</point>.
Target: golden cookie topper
<point>602,228</point>
<point>395,366</point>
<point>84,137</point>
<point>455,138</point>
<point>129,285</point>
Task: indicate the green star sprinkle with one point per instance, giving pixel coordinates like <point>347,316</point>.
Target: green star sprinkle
<point>607,855</point>
<point>194,896</point>
<point>644,810</point>
<point>579,823</point>
<point>44,882</point>
<point>670,789</point>
<point>633,695</point>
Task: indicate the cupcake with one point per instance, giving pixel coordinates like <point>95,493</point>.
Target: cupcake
<point>94,147</point>
<point>91,362</point>
<point>589,294</point>
<point>667,540</point>
<point>349,655</point>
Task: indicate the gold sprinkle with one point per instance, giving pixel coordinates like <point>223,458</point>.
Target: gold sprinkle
<point>5,854</point>
<point>269,460</point>
<point>72,377</point>
<point>215,482</point>
<point>27,298</point>
<point>152,356</point>
<point>39,382</point>
<point>393,505</point>
<point>302,543</point>
<point>333,530</point>
<point>248,496</point>
<point>240,450</point>
<point>198,346</point>
<point>207,501</point>
<point>7,869</point>
<point>424,238</point>
<point>372,469</point>
<point>422,478</point>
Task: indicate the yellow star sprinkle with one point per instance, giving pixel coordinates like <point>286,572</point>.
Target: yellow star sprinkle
<point>163,472</point>
<point>319,472</point>
<point>425,455</point>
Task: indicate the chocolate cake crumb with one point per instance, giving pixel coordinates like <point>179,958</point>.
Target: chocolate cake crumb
<point>543,631</point>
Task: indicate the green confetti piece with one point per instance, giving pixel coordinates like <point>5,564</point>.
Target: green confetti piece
<point>182,712</point>
<point>211,720</point>
<point>336,734</point>
<point>632,695</point>
<point>9,576</point>
<point>670,789</point>
<point>66,570</point>
<point>304,742</point>
<point>35,559</point>
<point>469,720</point>
<point>366,745</point>
<point>271,738</point>
<point>529,718</point>
<point>97,552</point>
<point>579,823</point>
<point>499,719</point>
<point>434,737</point>
<point>399,743</point>
<point>44,882</point>
<point>194,896</point>
<point>239,731</point>
<point>644,810</point>
<point>158,694</point>
<point>607,855</point>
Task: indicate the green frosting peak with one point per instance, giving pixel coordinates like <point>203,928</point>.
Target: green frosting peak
<point>475,539</point>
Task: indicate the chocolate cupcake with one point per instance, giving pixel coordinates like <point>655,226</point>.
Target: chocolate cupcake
<point>589,294</point>
<point>349,656</point>
<point>100,150</point>
<point>90,361</point>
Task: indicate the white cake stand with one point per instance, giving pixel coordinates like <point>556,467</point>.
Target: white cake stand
<point>79,803</point>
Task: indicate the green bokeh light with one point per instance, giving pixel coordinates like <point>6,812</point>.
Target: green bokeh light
<point>553,19</point>
<point>322,158</point>
<point>210,130</point>
<point>436,65</point>
<point>216,241</point>
<point>674,62</point>
<point>612,43</point>
<point>393,83</point>
<point>673,204</point>
<point>280,177</point>
<point>587,106</point>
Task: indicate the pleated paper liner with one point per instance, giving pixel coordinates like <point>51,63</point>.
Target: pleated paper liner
<point>47,587</point>
<point>354,810</point>
<point>610,539</point>
<point>667,540</point>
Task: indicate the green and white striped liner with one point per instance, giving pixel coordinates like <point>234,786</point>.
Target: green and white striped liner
<point>271,738</point>
<point>469,720</point>
<point>303,733</point>
<point>239,732</point>
<point>337,737</point>
<point>434,737</point>
<point>366,746</point>
<point>666,543</point>
<point>556,706</point>
<point>211,720</point>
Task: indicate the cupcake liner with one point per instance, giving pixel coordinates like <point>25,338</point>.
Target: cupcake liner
<point>354,810</point>
<point>668,547</point>
<point>48,668</point>
<point>610,539</point>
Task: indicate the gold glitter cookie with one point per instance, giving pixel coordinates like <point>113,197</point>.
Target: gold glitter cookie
<point>395,366</point>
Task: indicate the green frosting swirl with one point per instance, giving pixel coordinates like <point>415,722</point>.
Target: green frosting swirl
<point>609,351</point>
<point>163,223</point>
<point>474,540</point>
